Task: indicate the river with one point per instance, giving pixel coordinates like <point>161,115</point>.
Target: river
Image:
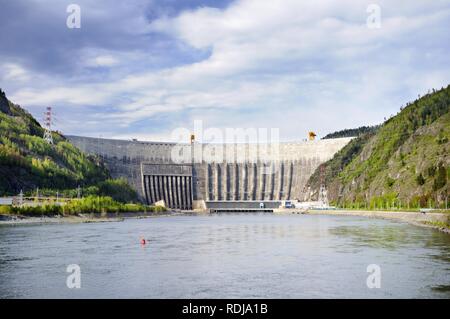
<point>226,256</point>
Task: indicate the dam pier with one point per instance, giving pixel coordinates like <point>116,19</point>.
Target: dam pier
<point>232,176</point>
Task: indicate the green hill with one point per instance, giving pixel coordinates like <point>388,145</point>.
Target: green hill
<point>28,162</point>
<point>354,132</point>
<point>405,162</point>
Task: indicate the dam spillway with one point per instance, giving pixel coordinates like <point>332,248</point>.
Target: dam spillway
<point>171,183</point>
<point>189,176</point>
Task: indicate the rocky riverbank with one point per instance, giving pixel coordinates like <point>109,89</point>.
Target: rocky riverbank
<point>434,220</point>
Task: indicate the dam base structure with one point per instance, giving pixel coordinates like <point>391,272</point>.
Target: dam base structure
<point>203,176</point>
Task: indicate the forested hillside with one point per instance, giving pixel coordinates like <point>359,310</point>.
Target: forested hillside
<point>354,132</point>
<point>28,162</point>
<point>405,162</point>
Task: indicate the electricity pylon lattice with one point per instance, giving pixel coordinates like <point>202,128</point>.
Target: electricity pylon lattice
<point>48,125</point>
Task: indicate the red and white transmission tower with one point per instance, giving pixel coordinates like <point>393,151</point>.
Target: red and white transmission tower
<point>48,125</point>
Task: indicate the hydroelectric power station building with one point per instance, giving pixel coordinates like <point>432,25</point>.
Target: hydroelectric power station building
<point>213,176</point>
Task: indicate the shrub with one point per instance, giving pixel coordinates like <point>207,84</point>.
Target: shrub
<point>431,171</point>
<point>420,180</point>
<point>390,181</point>
<point>5,209</point>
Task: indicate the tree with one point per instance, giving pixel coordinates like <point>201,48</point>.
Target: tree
<point>441,178</point>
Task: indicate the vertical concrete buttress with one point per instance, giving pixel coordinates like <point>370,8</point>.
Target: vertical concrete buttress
<point>237,182</point>
<point>262,178</point>
<point>217,185</point>
<point>224,181</point>
<point>170,192</point>
<point>289,184</point>
<point>272,178</point>
<point>255,181</point>
<point>189,191</point>
<point>232,181</point>
<point>280,188</point>
<point>243,181</point>
<point>145,185</point>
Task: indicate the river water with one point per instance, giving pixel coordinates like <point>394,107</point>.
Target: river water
<point>226,256</point>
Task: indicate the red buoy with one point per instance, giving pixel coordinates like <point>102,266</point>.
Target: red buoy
<point>143,241</point>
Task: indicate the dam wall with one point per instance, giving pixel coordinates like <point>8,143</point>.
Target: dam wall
<point>181,174</point>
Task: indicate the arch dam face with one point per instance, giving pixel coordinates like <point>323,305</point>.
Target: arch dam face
<point>196,175</point>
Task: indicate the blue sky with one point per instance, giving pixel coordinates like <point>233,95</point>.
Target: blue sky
<point>140,68</point>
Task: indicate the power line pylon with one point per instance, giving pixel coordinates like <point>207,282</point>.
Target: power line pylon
<point>48,125</point>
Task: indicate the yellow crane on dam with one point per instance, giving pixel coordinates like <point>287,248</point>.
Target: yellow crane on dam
<point>312,136</point>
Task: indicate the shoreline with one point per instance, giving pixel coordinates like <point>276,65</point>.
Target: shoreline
<point>414,218</point>
<point>26,220</point>
<point>17,220</point>
<point>429,220</point>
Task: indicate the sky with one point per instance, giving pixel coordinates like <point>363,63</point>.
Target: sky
<point>143,68</point>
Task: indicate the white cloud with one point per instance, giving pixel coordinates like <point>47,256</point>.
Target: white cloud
<point>13,72</point>
<point>104,61</point>
<point>79,95</point>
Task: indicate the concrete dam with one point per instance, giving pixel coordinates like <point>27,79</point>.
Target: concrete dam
<point>202,176</point>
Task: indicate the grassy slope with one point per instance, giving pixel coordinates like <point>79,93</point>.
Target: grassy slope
<point>27,161</point>
<point>385,165</point>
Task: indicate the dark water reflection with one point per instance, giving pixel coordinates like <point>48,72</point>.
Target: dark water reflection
<point>226,256</point>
